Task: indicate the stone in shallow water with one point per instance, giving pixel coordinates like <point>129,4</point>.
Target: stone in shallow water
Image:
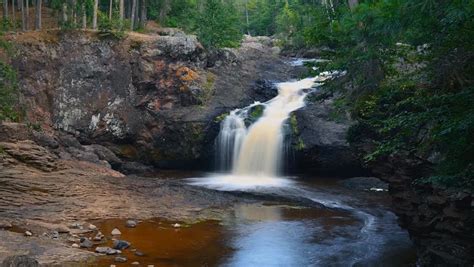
<point>28,233</point>
<point>116,231</point>
<point>131,224</point>
<point>135,263</point>
<point>120,259</point>
<point>99,236</point>
<point>139,253</point>
<point>121,244</point>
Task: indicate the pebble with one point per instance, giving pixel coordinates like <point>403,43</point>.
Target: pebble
<point>131,224</point>
<point>116,232</point>
<point>135,263</point>
<point>98,236</point>
<point>75,245</point>
<point>176,225</point>
<point>139,253</point>
<point>120,259</point>
<point>102,250</point>
<point>112,251</point>
<point>121,244</point>
<point>92,227</point>
<point>28,233</point>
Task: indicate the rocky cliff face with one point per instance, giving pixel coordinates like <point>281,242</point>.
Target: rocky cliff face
<point>440,220</point>
<point>147,98</point>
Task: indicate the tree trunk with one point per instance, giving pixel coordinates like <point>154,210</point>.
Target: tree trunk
<point>38,15</point>
<point>13,15</point>
<point>142,14</point>
<point>353,4</point>
<point>111,7</point>
<point>132,15</point>
<point>94,14</point>
<point>165,6</point>
<point>23,15</point>
<point>121,10</point>
<point>84,16</point>
<point>64,14</point>
<point>27,21</point>
<point>5,9</point>
<point>247,16</point>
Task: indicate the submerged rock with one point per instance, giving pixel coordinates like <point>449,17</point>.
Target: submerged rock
<point>120,259</point>
<point>107,250</point>
<point>131,224</point>
<point>365,183</point>
<point>121,244</point>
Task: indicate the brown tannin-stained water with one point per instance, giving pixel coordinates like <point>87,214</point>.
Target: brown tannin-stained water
<point>162,244</point>
<point>286,232</point>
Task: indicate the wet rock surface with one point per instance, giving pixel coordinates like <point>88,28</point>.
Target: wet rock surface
<point>319,140</point>
<point>150,99</point>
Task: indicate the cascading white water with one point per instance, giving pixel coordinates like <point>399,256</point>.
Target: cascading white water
<point>254,155</point>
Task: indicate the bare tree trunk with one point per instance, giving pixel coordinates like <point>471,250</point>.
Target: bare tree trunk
<point>5,9</point>
<point>121,9</point>
<point>94,14</point>
<point>142,14</point>
<point>64,14</point>
<point>353,4</point>
<point>27,21</point>
<point>73,12</point>
<point>84,16</point>
<point>247,16</point>
<point>13,15</point>
<point>110,8</point>
<point>165,6</point>
<point>38,15</point>
<point>23,15</point>
<point>132,15</point>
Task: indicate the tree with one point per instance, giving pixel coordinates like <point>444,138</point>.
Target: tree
<point>353,4</point>
<point>23,15</point>
<point>165,8</point>
<point>94,14</point>
<point>27,14</point>
<point>5,9</point>
<point>13,14</point>
<point>84,15</point>
<point>38,15</point>
<point>121,10</point>
<point>111,8</point>
<point>142,13</point>
<point>219,25</point>
<point>132,14</point>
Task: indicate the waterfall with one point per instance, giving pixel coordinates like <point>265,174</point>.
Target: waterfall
<point>258,149</point>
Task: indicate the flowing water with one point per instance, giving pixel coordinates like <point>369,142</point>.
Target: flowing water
<point>327,227</point>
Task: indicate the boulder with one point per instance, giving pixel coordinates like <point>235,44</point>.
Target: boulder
<point>121,244</point>
<point>318,136</point>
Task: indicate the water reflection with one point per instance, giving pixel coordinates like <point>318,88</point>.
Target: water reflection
<point>298,236</point>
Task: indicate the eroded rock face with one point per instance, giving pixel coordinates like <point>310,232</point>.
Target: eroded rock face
<point>319,140</point>
<point>148,98</point>
<point>440,220</point>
